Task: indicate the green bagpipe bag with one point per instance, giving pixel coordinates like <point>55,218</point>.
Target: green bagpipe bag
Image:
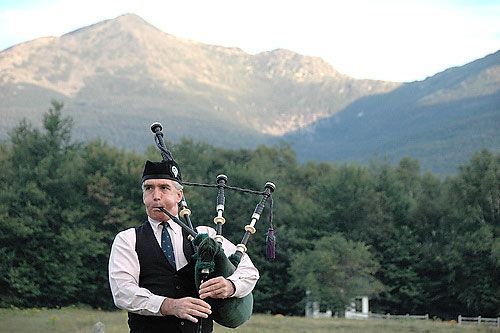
<point>228,312</point>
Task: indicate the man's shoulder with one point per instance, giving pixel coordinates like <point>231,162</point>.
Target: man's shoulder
<point>139,226</point>
<point>129,233</point>
<point>129,230</point>
<point>125,239</point>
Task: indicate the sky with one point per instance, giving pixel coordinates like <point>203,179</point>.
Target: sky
<point>391,40</point>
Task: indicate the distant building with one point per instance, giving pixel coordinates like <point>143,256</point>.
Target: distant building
<point>313,309</point>
<point>351,311</point>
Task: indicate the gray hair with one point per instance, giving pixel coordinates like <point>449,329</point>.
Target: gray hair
<point>177,186</point>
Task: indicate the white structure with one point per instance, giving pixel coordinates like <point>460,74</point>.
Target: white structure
<point>352,313</point>
<point>364,304</point>
<point>313,311</point>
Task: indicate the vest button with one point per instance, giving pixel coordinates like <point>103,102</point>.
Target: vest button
<point>177,287</point>
<point>182,323</point>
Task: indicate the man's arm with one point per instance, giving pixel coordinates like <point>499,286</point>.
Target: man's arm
<point>124,278</point>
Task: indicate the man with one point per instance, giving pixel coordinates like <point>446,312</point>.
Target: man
<point>151,272</point>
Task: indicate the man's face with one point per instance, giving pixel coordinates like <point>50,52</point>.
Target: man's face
<point>160,193</point>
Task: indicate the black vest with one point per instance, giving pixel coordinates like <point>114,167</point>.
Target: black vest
<point>159,277</point>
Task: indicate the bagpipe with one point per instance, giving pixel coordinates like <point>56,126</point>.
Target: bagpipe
<point>211,261</point>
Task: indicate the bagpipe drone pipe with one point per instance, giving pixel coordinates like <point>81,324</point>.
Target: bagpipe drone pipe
<point>211,261</point>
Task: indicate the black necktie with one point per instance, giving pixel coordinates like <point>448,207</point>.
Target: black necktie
<point>166,245</point>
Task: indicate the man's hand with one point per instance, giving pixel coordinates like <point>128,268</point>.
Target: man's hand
<point>185,308</point>
<point>217,287</point>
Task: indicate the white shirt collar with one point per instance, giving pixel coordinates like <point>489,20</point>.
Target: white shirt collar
<point>157,224</point>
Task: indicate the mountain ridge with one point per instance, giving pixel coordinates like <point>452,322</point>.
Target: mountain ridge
<point>118,76</point>
<point>444,118</point>
<point>127,57</point>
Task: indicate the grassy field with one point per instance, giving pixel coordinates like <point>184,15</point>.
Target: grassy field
<point>76,320</point>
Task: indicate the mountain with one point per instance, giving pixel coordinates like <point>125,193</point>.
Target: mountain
<point>440,121</point>
<point>118,76</point>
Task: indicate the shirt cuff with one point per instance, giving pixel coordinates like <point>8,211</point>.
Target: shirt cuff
<point>156,302</point>
<point>237,287</point>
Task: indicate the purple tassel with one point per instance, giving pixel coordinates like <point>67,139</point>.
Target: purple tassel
<point>270,244</point>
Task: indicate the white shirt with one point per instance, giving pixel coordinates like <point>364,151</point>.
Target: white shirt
<point>124,269</point>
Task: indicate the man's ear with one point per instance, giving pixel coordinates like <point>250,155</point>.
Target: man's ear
<point>180,194</point>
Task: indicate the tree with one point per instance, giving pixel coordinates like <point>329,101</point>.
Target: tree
<point>32,238</point>
<point>336,271</point>
<point>472,225</point>
<point>47,248</point>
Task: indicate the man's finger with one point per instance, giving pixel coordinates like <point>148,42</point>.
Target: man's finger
<point>189,317</point>
<point>200,309</point>
<point>210,282</point>
<point>199,302</point>
<point>217,293</point>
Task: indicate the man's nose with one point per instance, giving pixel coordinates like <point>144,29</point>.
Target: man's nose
<point>156,194</point>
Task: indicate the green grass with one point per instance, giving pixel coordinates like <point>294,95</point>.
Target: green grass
<point>82,320</point>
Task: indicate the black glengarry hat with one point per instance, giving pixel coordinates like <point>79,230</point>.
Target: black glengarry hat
<point>162,170</point>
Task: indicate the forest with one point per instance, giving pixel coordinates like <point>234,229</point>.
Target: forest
<point>413,242</point>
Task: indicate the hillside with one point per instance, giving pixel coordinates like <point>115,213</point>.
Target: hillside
<point>440,121</point>
<point>118,76</point>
